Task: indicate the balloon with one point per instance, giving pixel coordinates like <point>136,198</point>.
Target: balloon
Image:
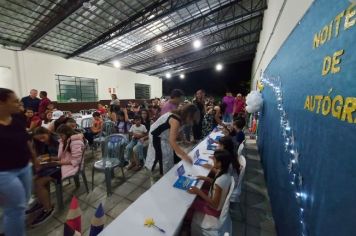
<point>254,101</point>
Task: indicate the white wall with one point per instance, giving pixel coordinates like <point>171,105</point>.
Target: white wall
<point>291,12</point>
<point>37,70</point>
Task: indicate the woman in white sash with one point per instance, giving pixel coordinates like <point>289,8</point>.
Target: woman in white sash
<point>163,148</point>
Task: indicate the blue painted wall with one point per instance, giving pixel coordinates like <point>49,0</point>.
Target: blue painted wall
<point>327,145</point>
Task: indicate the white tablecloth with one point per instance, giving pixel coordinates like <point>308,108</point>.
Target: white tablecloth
<point>162,202</point>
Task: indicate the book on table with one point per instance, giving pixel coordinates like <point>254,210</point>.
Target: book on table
<point>211,146</point>
<point>184,182</point>
<point>197,160</point>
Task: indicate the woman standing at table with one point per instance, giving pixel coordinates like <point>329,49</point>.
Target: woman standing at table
<point>15,171</point>
<point>163,138</point>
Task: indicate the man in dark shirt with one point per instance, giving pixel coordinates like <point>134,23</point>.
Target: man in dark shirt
<point>31,101</point>
<point>199,101</point>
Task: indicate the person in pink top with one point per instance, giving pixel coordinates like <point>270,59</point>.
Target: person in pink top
<point>177,97</point>
<point>239,105</point>
<point>70,154</point>
<point>229,100</point>
<point>70,151</point>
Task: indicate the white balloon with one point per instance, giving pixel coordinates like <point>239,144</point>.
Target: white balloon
<point>254,101</point>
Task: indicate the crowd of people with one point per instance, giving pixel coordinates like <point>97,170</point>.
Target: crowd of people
<point>42,144</point>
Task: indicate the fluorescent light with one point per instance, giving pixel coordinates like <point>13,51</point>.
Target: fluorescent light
<point>116,64</point>
<point>159,48</point>
<point>182,76</point>
<point>87,5</point>
<point>197,43</point>
<point>151,16</point>
<point>168,75</point>
<point>219,67</point>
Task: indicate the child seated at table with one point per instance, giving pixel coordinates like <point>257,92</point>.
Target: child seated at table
<point>95,128</point>
<point>237,134</point>
<point>226,143</point>
<point>137,132</point>
<point>211,202</point>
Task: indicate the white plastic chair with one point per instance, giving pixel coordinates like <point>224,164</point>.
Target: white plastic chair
<point>84,112</point>
<point>91,111</point>
<point>206,225</point>
<point>237,190</point>
<point>241,148</point>
<point>242,161</point>
<point>86,123</point>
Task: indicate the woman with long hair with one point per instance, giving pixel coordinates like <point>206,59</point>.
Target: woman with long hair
<point>47,121</point>
<point>45,145</point>
<point>212,202</point>
<point>163,148</point>
<point>146,121</point>
<point>45,142</point>
<point>227,143</point>
<point>15,171</point>
<point>70,154</point>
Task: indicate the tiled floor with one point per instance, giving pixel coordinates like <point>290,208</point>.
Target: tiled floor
<point>254,199</point>
<point>257,220</point>
<point>124,193</point>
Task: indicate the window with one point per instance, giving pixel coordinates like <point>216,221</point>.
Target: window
<point>142,91</point>
<point>76,89</point>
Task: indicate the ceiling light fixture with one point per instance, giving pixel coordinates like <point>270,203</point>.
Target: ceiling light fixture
<point>159,48</point>
<point>116,64</point>
<point>87,5</point>
<point>168,75</point>
<point>182,76</point>
<point>219,67</point>
<point>197,43</point>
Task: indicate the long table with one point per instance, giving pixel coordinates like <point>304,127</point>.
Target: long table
<point>162,202</point>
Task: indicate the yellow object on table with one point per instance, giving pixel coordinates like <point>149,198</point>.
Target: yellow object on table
<point>149,222</point>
